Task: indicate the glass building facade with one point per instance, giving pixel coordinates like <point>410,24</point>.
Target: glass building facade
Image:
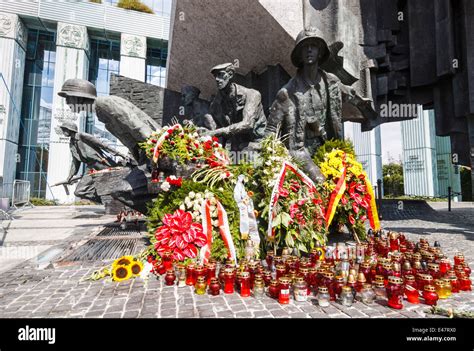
<point>36,111</point>
<point>156,65</point>
<point>104,60</point>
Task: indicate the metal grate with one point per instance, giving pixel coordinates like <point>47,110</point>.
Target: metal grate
<point>111,243</point>
<point>95,250</point>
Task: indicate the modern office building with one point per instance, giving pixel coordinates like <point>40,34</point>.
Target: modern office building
<point>44,43</point>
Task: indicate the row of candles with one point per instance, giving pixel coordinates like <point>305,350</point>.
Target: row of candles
<point>386,268</point>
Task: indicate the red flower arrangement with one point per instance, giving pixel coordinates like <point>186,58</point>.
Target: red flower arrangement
<point>179,235</point>
<point>175,181</point>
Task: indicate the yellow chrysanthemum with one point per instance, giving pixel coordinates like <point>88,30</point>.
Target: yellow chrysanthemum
<point>121,273</point>
<point>136,268</point>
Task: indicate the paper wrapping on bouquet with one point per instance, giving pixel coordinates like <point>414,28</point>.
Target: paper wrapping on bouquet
<point>224,230</point>
<point>248,222</point>
<point>161,140</point>
<point>338,192</point>
<point>287,166</point>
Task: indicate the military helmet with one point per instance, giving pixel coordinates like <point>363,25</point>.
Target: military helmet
<point>79,88</point>
<point>306,36</point>
<point>69,125</point>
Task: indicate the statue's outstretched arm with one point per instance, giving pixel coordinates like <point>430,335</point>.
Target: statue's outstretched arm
<point>93,141</point>
<point>249,115</point>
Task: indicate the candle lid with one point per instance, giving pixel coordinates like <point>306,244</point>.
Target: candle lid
<point>284,280</point>
<point>409,278</point>
<point>395,280</point>
<point>347,289</point>
<point>429,288</point>
<point>323,289</point>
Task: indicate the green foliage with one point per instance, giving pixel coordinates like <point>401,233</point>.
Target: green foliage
<point>466,184</point>
<point>96,1</point>
<point>329,145</point>
<point>393,179</point>
<point>36,201</point>
<point>135,5</point>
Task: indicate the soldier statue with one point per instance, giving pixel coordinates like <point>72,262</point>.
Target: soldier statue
<point>237,111</point>
<point>195,108</point>
<point>308,109</point>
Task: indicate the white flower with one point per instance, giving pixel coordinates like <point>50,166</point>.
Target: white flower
<point>213,208</point>
<point>215,223</point>
<point>207,196</point>
<point>189,204</point>
<point>269,149</point>
<point>187,199</point>
<point>192,195</point>
<point>182,207</point>
<point>149,142</point>
<point>196,207</point>
<point>198,196</point>
<point>165,186</point>
<point>268,163</point>
<point>147,267</point>
<point>196,213</point>
<point>220,189</point>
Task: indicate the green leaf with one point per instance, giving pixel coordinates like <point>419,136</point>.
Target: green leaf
<point>276,221</point>
<point>285,219</point>
<point>289,240</point>
<point>302,247</point>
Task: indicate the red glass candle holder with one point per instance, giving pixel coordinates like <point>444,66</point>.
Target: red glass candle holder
<point>458,259</point>
<point>454,284</point>
<point>168,260</point>
<point>190,278</point>
<point>170,277</point>
<point>365,268</point>
<point>412,293</point>
<point>395,292</point>
<point>214,287</point>
<point>284,293</point>
<point>465,283</point>
<point>430,295</point>
<point>280,271</point>
<point>274,289</point>
<point>229,281</point>
<point>211,271</point>
<point>245,284</point>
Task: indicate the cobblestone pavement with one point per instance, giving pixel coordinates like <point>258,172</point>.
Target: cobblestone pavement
<point>60,292</point>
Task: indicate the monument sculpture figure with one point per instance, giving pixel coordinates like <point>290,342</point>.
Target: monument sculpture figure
<point>96,155</point>
<point>196,109</point>
<point>237,111</point>
<point>308,109</point>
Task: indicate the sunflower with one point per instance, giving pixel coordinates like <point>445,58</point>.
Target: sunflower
<point>121,273</point>
<point>136,268</point>
<point>123,261</point>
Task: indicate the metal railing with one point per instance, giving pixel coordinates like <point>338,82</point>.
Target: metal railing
<point>21,193</point>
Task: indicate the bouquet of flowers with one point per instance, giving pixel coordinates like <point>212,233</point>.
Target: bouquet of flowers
<point>184,144</point>
<point>289,202</point>
<point>351,197</point>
